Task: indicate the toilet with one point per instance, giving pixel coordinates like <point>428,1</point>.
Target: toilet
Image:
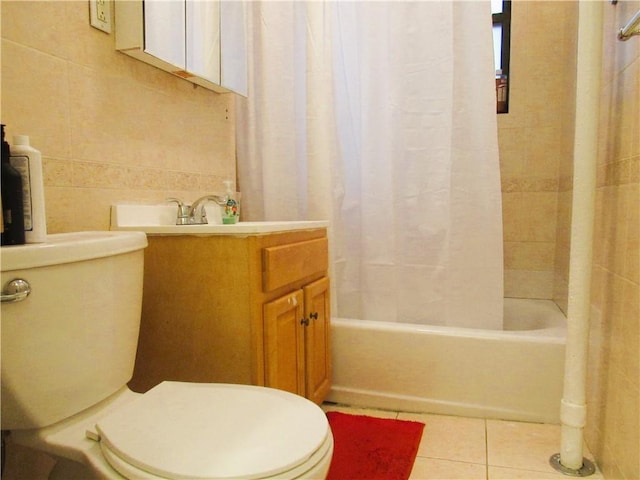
<point>68,351</point>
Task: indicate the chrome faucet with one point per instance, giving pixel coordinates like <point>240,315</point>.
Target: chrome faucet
<point>182,218</point>
<point>197,214</point>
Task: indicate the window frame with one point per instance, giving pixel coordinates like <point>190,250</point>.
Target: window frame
<point>504,18</point>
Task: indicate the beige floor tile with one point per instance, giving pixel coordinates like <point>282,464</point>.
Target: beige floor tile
<point>503,473</point>
<point>451,438</point>
<point>524,446</point>
<point>371,412</point>
<point>437,469</point>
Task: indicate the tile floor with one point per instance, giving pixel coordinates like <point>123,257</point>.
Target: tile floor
<point>460,448</point>
<point>452,448</point>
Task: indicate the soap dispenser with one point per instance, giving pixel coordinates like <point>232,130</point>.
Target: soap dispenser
<point>231,213</point>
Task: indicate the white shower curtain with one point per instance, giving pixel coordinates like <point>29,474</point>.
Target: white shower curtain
<point>380,117</point>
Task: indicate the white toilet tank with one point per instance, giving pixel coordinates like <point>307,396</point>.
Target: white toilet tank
<point>72,342</point>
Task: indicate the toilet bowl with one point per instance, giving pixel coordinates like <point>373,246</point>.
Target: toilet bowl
<point>191,430</point>
<point>66,363</point>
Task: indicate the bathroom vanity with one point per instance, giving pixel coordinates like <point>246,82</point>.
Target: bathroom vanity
<point>244,305</point>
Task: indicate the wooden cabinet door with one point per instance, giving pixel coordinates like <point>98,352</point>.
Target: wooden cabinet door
<point>317,340</point>
<point>284,343</point>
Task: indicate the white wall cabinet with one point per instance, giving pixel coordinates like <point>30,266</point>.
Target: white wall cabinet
<point>203,41</point>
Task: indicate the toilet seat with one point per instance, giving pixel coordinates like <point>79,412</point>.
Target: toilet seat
<point>316,467</point>
<point>214,431</point>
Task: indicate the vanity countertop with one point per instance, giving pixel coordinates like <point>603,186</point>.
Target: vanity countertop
<point>157,220</point>
<point>241,228</point>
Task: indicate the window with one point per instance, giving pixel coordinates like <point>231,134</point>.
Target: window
<point>501,12</point>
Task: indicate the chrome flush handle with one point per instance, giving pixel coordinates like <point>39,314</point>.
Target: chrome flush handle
<point>15,291</point>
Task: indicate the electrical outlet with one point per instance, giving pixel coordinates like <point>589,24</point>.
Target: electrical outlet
<point>100,14</point>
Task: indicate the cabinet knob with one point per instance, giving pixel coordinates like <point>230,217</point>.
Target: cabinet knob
<point>314,315</point>
<point>305,322</point>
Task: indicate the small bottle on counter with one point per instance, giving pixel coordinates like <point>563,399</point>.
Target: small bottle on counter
<point>231,212</point>
<point>28,161</point>
<point>12,209</point>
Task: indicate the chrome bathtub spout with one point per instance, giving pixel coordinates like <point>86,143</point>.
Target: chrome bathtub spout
<point>197,214</point>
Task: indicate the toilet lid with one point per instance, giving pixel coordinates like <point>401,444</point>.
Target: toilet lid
<point>214,431</point>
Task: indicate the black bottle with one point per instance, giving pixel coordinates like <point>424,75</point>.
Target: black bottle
<point>12,206</point>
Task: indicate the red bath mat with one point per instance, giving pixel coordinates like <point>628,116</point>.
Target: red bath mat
<point>368,448</point>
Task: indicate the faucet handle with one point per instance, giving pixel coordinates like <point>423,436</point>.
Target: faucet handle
<point>197,213</point>
<point>182,217</point>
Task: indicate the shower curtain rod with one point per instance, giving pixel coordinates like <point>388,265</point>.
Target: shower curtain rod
<point>631,28</point>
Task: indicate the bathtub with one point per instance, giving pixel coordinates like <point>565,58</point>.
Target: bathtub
<point>511,374</point>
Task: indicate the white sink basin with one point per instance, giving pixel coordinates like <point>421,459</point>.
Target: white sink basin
<point>160,220</point>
